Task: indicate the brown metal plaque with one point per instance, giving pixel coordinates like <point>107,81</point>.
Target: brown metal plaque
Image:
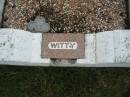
<point>63,45</point>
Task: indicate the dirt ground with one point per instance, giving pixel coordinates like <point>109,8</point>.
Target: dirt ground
<point>64,82</point>
<point>74,16</point>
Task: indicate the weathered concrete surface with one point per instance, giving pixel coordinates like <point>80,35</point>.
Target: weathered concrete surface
<point>2,2</point>
<point>20,47</point>
<point>122,46</point>
<point>104,49</point>
<point>90,50</point>
<point>38,25</point>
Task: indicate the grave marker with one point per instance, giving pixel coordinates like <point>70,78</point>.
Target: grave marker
<point>63,45</point>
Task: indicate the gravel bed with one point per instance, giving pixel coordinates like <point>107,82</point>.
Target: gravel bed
<point>84,16</point>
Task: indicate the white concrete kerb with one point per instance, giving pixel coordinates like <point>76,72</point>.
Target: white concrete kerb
<point>2,2</point>
<point>104,49</point>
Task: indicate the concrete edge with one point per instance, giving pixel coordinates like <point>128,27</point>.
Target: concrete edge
<point>81,62</point>
<point>2,3</point>
<point>101,65</point>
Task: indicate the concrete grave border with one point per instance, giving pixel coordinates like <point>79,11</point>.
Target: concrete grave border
<point>2,3</point>
<point>104,49</point>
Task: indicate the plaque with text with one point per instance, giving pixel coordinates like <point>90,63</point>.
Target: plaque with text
<point>63,45</point>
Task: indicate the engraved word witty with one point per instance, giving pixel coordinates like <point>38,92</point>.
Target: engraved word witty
<point>63,45</point>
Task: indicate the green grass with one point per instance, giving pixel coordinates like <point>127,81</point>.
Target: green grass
<point>64,82</point>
